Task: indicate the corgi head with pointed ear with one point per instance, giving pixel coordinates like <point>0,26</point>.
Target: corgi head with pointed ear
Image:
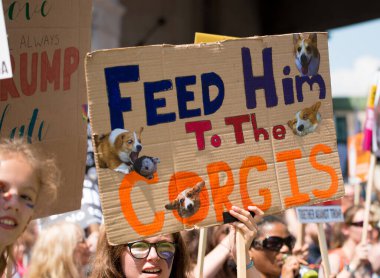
<point>306,120</point>
<point>187,202</point>
<point>126,143</point>
<point>306,53</point>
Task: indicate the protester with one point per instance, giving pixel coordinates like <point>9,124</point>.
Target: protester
<point>164,255</point>
<point>352,258</point>
<point>272,250</point>
<point>24,174</point>
<point>60,251</point>
<point>220,259</point>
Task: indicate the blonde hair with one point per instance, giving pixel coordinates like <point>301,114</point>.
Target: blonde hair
<point>47,173</point>
<point>53,253</point>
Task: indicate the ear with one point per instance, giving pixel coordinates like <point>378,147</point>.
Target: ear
<point>140,131</point>
<point>119,141</point>
<point>296,37</point>
<point>290,124</point>
<point>198,187</point>
<point>313,37</point>
<point>173,205</point>
<point>316,106</point>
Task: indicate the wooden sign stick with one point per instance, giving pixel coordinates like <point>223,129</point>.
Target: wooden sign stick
<point>356,193</point>
<point>240,252</point>
<point>368,197</point>
<point>300,234</point>
<point>323,248</point>
<point>201,251</point>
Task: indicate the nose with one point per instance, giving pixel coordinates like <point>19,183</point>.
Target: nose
<point>7,196</point>
<point>153,256</point>
<point>190,206</point>
<point>300,127</point>
<point>138,148</point>
<point>284,249</point>
<point>11,200</point>
<point>303,59</point>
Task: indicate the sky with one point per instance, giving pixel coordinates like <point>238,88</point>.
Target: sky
<point>354,53</point>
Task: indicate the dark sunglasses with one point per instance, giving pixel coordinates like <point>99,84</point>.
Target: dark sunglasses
<point>275,243</point>
<point>361,223</point>
<point>141,249</point>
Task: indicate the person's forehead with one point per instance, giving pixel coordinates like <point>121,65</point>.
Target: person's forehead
<point>158,238</point>
<point>274,229</point>
<point>359,215</point>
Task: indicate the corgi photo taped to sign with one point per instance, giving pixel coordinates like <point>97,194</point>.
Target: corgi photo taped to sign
<point>215,118</point>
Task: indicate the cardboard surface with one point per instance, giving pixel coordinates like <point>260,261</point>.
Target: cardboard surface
<point>5,60</point>
<point>48,41</point>
<point>204,120</point>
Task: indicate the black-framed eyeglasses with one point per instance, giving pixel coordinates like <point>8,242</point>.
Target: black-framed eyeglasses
<point>141,249</point>
<point>275,243</point>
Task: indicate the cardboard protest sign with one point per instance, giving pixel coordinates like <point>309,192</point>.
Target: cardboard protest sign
<point>358,159</point>
<point>5,60</point>
<point>182,133</point>
<point>42,102</point>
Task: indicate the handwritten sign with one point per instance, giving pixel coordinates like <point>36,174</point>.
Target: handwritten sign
<point>42,102</point>
<point>319,214</point>
<point>182,133</point>
<point>5,61</point>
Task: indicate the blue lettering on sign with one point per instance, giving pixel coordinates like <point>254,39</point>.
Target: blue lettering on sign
<point>184,96</point>
<point>212,79</point>
<point>300,80</point>
<point>287,86</point>
<point>253,83</point>
<point>151,103</point>
<point>117,105</point>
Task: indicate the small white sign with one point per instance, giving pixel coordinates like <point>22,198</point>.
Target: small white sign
<point>319,214</point>
<point>5,61</point>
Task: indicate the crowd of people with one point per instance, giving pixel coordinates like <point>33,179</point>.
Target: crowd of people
<point>274,247</point>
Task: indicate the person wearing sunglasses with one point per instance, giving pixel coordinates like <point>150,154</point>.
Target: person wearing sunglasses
<point>351,258</point>
<point>272,248</point>
<point>159,256</point>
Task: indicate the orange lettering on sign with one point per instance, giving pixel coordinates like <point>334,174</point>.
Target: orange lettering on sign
<point>220,193</point>
<point>129,213</point>
<point>247,165</point>
<point>328,169</point>
<point>297,197</point>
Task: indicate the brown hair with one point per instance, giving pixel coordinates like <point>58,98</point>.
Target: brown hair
<point>47,174</point>
<point>107,263</point>
<point>337,237</point>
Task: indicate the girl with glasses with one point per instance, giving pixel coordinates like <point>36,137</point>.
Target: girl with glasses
<point>24,176</point>
<point>159,256</point>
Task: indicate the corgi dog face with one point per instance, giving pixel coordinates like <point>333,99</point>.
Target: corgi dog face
<point>306,120</point>
<point>187,202</point>
<point>306,54</point>
<point>127,144</point>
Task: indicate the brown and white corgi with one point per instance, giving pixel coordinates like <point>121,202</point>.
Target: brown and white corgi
<point>118,149</point>
<point>187,202</point>
<point>306,120</point>
<point>306,54</point>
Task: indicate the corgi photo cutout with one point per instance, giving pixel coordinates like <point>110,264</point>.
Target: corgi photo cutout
<point>306,53</point>
<point>306,120</point>
<point>118,149</point>
<point>187,202</point>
